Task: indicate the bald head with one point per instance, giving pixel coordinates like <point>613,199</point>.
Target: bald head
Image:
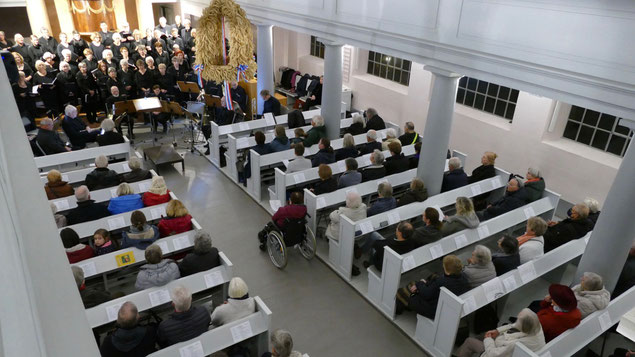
<point>128,315</point>
<point>82,193</point>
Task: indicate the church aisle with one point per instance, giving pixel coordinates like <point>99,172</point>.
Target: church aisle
<point>325,316</point>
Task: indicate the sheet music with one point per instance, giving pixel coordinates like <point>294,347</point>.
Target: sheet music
<point>213,279</point>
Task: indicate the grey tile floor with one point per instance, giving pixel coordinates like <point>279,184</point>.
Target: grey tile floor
<point>324,314</point>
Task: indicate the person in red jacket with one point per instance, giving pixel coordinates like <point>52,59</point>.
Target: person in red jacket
<point>75,251</point>
<point>295,210</point>
<point>178,219</point>
<point>157,194</point>
<point>559,311</point>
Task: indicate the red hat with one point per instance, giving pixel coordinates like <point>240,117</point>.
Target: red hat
<point>563,296</point>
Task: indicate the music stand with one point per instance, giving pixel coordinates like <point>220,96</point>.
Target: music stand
<point>121,111</point>
<point>148,104</point>
<point>189,88</point>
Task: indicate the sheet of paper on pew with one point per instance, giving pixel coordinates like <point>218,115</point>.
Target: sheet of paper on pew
<point>194,349</point>
<point>241,331</point>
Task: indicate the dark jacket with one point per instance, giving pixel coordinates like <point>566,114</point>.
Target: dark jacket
<point>138,341</point>
<point>106,248</point>
<point>110,138</point>
<point>409,139</point>
<point>136,176</point>
<point>183,326</point>
<point>481,173</point>
<point>566,231</point>
<point>382,204</point>
<point>345,153</point>
<point>505,262</point>
<point>375,123</point>
<point>240,96</point>
<point>272,105</point>
<point>369,147</point>
<point>411,196</point>
<point>593,217</point>
<point>399,246</point>
<point>86,211</point>
<point>50,142</point>
<point>75,129</point>
<point>454,179</point>
<point>58,189</point>
<point>92,297</point>
<point>101,177</point>
<point>510,201</point>
<point>534,189</point>
<point>424,301</point>
<point>325,186</point>
<point>425,235</point>
<point>288,211</point>
<point>349,178</point>
<point>396,164</point>
<point>355,129</point>
<point>279,144</point>
<point>194,263</point>
<point>324,156</point>
<point>373,173</point>
<point>314,135</point>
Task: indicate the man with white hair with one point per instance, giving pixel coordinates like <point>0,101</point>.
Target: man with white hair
<point>130,338</point>
<point>514,197</point>
<point>316,133</point>
<point>374,121</point>
<point>87,209</point>
<point>78,133</point>
<point>186,323</point>
<point>455,177</point>
<point>282,345</point>
<point>376,170</point>
<point>535,185</point>
<point>22,48</point>
<point>371,143</point>
<point>594,209</point>
<point>108,135</point>
<point>101,176</point>
<point>573,227</point>
<point>177,23</point>
<point>136,173</point>
<point>48,140</point>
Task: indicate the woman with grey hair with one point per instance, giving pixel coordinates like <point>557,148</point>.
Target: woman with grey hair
<point>591,294</point>
<point>535,185</point>
<point>282,345</point>
<point>203,257</point>
<point>348,148</point>
<point>391,137</point>
<point>355,210</point>
<point>357,126</point>
<point>108,136</point>
<point>136,173</point>
<point>501,341</point>
<point>479,268</point>
<point>317,132</point>
<point>594,209</point>
<point>376,170</point>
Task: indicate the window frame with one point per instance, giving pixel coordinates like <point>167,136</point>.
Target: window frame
<point>394,69</point>
<point>316,48</point>
<point>488,97</point>
<point>573,128</point>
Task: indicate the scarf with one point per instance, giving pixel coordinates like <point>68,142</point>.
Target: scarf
<point>524,239</point>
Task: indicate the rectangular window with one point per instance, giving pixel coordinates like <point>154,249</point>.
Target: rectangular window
<point>317,48</point>
<point>388,67</point>
<point>489,97</point>
<point>598,130</point>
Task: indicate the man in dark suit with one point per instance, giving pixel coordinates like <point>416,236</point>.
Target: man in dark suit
<point>87,209</point>
<point>78,133</point>
<point>455,177</point>
<point>374,122</point>
<point>239,95</point>
<point>376,170</point>
<point>272,105</point>
<point>49,140</point>
<point>410,137</point>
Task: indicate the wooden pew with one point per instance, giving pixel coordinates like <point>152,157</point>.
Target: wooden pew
<point>74,159</point>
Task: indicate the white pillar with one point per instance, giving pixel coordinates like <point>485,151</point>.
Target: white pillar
<point>331,108</point>
<point>265,62</point>
<point>38,17</point>
<point>436,135</point>
<point>614,231</point>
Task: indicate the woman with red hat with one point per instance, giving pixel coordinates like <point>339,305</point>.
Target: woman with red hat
<point>559,311</point>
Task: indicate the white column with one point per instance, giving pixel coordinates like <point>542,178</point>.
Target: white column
<point>265,62</point>
<point>331,108</point>
<point>614,231</point>
<point>38,17</point>
<point>436,135</point>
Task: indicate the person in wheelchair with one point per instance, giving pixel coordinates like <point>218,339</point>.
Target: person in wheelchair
<point>295,210</point>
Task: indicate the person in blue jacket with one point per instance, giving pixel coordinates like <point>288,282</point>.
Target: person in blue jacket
<point>141,234</point>
<point>125,201</point>
<point>281,141</point>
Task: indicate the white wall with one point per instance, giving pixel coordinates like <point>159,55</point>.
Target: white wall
<point>571,169</point>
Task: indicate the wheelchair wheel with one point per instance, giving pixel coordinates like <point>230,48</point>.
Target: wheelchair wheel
<point>277,250</point>
<point>308,245</point>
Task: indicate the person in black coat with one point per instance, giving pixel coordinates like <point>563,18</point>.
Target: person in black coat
<point>401,244</point>
<point>423,296</point>
<point>295,119</point>
<point>574,227</point>
<point>240,96</point>
<point>325,155</point>
<point>514,197</point>
<point>49,140</point>
<point>166,81</point>
<point>357,126</point>
<point>204,257</point>
<point>87,209</point>
<point>371,143</point>
<point>486,170</point>
<point>397,162</point>
<point>186,323</point>
<point>144,79</point>
<point>417,192</point>
<point>78,133</point>
<point>431,232</point>
<point>130,338</point>
<point>108,135</point>
<point>271,105</point>
<point>375,122</point>
<point>348,148</point>
<point>410,137</point>
<point>22,48</point>
<point>509,259</point>
<point>455,177</point>
<point>90,92</point>
<point>376,170</point>
<point>65,82</point>
<point>91,296</point>
<point>315,97</point>
<point>101,176</point>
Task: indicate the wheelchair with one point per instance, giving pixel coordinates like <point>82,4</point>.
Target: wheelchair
<point>296,233</point>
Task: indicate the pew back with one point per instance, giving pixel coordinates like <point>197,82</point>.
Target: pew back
<point>73,159</point>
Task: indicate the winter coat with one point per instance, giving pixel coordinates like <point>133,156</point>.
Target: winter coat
<point>106,248</point>
<point>151,275</point>
<point>314,135</point>
<point>86,211</point>
<point>349,178</point>
<point>138,341</point>
<point>325,186</point>
<point>478,274</point>
<point>92,297</point>
<point>139,239</point>
<point>345,153</point>
<point>288,211</point>
<point>425,235</point>
<point>183,326</point>
<point>355,129</point>
<point>454,179</point>
<point>324,156</point>
<point>125,203</point>
<point>591,301</point>
<point>78,253</point>
<point>481,173</point>
<point>534,189</point>
<point>554,323</point>
<point>396,164</point>
<point>411,196</point>
<point>373,172</point>
<point>458,223</point>
<point>354,214</point>
<point>101,178</point>
<point>233,310</point>
<point>503,345</point>
<point>531,249</point>
<point>136,175</point>
<point>510,201</point>
<point>170,226</point>
<point>566,231</point>
<point>424,301</point>
<point>153,199</point>
<point>279,144</point>
<point>382,204</point>
<point>58,189</point>
<point>505,262</point>
<point>194,263</point>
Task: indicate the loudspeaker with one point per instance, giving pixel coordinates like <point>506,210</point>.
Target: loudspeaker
<point>10,66</point>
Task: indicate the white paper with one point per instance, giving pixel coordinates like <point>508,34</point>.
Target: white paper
<point>605,321</point>
<point>393,217</point>
<point>113,193</point>
<point>61,205</point>
<point>163,245</point>
<point>436,251</point>
<point>341,165</point>
<point>469,305</point>
<point>495,182</point>
<point>89,268</point>
<point>181,243</point>
<point>275,205</point>
<point>213,279</point>
<point>115,223</point>
<point>299,178</point>
<point>243,126</point>
<point>527,272</point>
<point>241,331</point>
<point>483,231</point>
<point>510,284</point>
<point>321,202</point>
<point>34,89</point>
<point>65,178</point>
<point>144,187</point>
<point>476,190</point>
<point>285,162</point>
<point>192,350</point>
<point>460,241</point>
<point>441,214</point>
<point>270,121</point>
<point>112,311</point>
<point>493,289</point>
<point>408,263</point>
<point>159,297</point>
<point>242,143</point>
<point>529,212</point>
<point>366,227</point>
<point>125,166</point>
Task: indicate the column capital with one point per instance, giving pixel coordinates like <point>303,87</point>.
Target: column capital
<point>441,72</point>
<point>328,42</point>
